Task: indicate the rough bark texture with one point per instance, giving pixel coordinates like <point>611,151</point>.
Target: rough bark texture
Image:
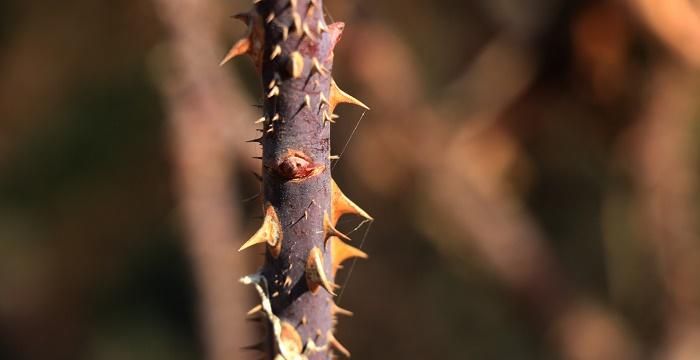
<point>293,50</point>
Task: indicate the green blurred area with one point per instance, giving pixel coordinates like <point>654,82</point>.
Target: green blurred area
<point>93,262</point>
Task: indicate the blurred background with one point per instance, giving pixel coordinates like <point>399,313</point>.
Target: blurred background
<point>532,167</point>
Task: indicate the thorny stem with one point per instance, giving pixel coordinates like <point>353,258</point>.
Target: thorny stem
<point>292,48</point>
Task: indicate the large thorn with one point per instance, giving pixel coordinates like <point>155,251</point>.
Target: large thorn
<point>336,344</point>
<point>341,205</point>
<point>316,274</point>
<point>330,230</point>
<point>341,251</point>
<point>289,340</point>
<point>242,46</point>
<point>270,233</point>
<point>338,96</point>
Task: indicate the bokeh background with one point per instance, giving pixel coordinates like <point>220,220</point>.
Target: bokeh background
<point>532,167</point>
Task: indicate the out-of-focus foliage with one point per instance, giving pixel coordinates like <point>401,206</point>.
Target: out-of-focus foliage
<point>532,166</point>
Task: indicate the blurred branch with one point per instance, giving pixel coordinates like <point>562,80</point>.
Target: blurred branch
<point>667,184</point>
<point>674,22</point>
<point>205,112</point>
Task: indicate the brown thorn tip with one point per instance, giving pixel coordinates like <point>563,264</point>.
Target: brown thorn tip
<point>270,232</point>
<point>341,251</point>
<point>316,274</point>
<point>330,229</point>
<point>336,344</point>
<point>340,311</point>
<point>276,52</point>
<point>339,96</point>
<point>242,46</point>
<point>340,205</point>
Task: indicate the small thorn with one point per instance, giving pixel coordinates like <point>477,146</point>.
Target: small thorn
<point>274,92</point>
<point>257,157</point>
<point>327,117</point>
<point>271,129</point>
<point>287,282</point>
<point>261,120</point>
<point>304,320</point>
<point>296,19</point>
<point>335,309</point>
<point>340,205</point>
<point>276,52</point>
<point>276,117</point>
<point>334,157</point>
<point>270,17</point>
<point>338,96</point>
<point>272,84</point>
<point>322,27</point>
<point>270,232</point>
<point>295,64</point>
<point>307,101</point>
<point>315,272</point>
<point>336,344</point>
<point>255,310</point>
<point>330,230</point>
<point>318,67</point>
<point>257,140</point>
<point>307,32</point>
<point>285,33</point>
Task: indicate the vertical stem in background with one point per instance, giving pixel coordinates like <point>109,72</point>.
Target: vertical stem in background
<point>293,51</point>
<point>202,106</point>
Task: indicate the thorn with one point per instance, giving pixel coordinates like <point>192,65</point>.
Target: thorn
<point>256,309</point>
<point>315,272</point>
<point>276,117</point>
<point>257,140</point>
<point>341,205</point>
<point>296,19</point>
<point>336,344</point>
<point>338,96</point>
<point>270,232</point>
<point>318,67</point>
<point>322,27</point>
<point>340,251</point>
<point>274,92</point>
<point>304,320</point>
<point>261,120</point>
<point>330,230</point>
<point>327,117</point>
<point>276,52</point>
<point>257,158</point>
<point>242,46</point>
<point>295,64</point>
<point>308,32</point>
<point>289,340</point>
<point>285,33</point>
<point>333,157</point>
<point>270,17</point>
<point>287,282</point>
<point>323,99</point>
<point>335,309</point>
<point>307,101</point>
<point>272,84</point>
